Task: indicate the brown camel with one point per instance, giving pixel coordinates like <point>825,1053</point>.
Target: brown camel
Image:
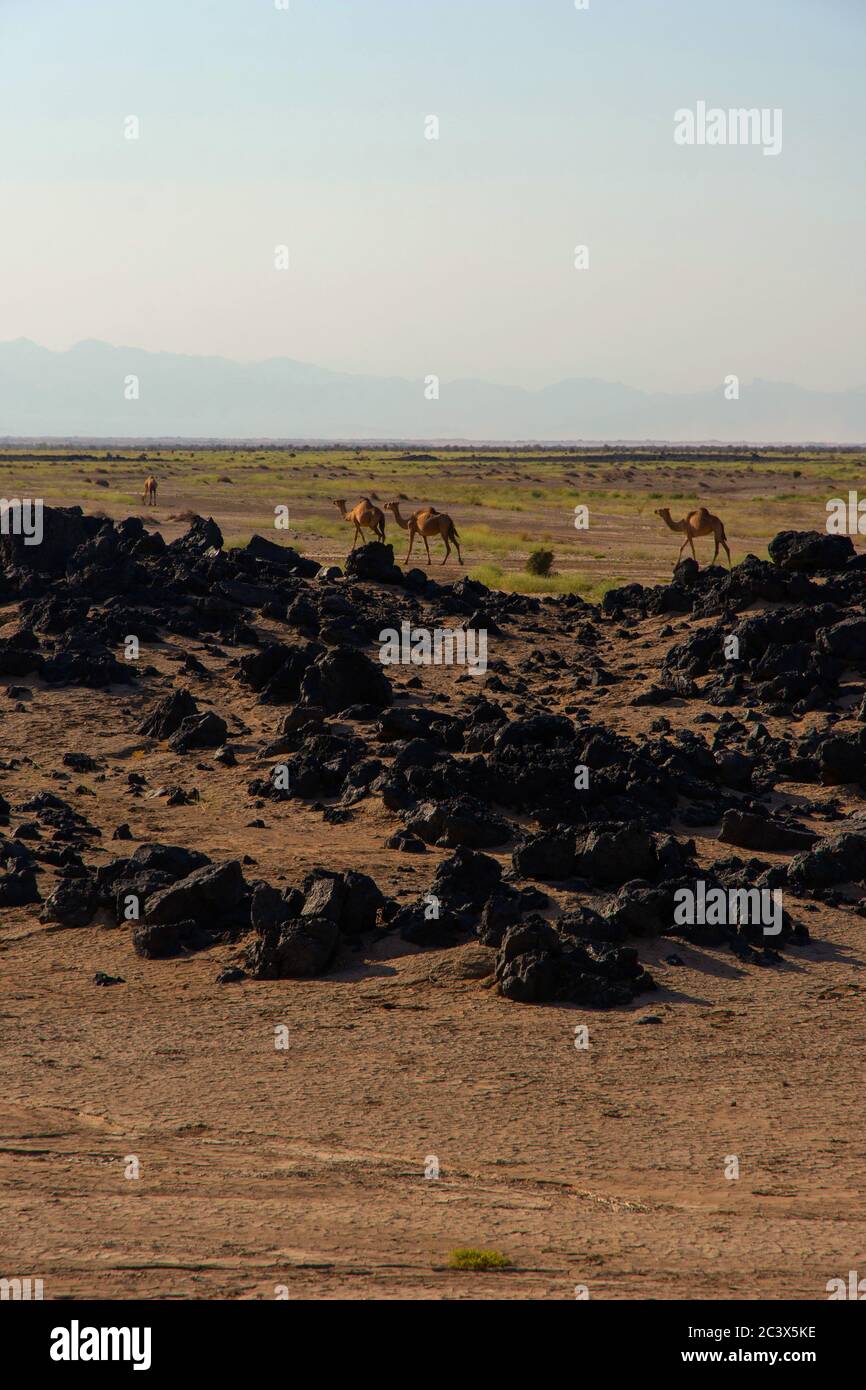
<point>697,523</point>
<point>427,522</point>
<point>148,497</point>
<point>364,514</point>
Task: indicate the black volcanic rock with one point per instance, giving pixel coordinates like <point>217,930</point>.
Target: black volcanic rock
<point>461,821</point>
<point>344,677</point>
<point>535,965</point>
<point>169,714</point>
<point>207,730</point>
<point>763,833</point>
<point>807,551</point>
<point>615,856</point>
<point>298,948</point>
<point>72,902</point>
<point>204,896</point>
<point>375,563</point>
<point>547,855</point>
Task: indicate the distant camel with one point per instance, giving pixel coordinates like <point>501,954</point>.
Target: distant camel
<point>148,497</point>
<point>364,514</point>
<point>697,523</point>
<point>427,522</point>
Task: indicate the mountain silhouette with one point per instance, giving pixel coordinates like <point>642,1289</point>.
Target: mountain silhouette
<point>83,393</point>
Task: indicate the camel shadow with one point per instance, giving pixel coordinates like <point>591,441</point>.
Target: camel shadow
<point>819,950</point>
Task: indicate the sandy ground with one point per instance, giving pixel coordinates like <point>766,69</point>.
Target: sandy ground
<point>304,1168</point>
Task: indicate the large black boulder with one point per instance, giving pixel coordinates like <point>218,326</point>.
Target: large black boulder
<point>207,730</point>
<point>375,563</point>
<point>749,831</point>
<point>20,654</point>
<point>345,677</point>
<point>157,941</point>
<point>829,862</point>
<point>464,820</point>
<point>807,551</point>
<point>534,965</point>
<point>64,529</point>
<point>842,759</point>
<point>547,855</point>
<point>204,896</point>
<point>72,902</point>
<point>280,556</point>
<point>615,856</point>
<point>83,660</point>
<point>465,881</point>
<point>276,670</point>
<point>203,536</point>
<point>170,859</point>
<point>18,887</point>
<point>846,640</point>
<point>169,714</point>
<point>300,947</point>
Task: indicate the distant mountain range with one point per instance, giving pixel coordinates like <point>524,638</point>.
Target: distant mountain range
<point>82,393</point>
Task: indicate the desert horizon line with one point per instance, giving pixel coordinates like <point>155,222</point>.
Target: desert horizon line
<point>329,442</point>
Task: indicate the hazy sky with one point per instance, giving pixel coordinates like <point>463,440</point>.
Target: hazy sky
<point>408,256</point>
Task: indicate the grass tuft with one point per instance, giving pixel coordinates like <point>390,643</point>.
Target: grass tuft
<point>467,1258</point>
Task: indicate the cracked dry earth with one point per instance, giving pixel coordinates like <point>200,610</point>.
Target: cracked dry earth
<point>304,1167</point>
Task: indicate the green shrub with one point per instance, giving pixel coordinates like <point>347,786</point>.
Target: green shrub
<point>539,562</point>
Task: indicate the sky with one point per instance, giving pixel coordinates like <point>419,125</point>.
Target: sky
<point>305,126</point>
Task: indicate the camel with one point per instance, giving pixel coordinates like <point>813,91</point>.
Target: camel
<point>697,523</point>
<point>148,497</point>
<point>427,522</point>
<point>364,514</point>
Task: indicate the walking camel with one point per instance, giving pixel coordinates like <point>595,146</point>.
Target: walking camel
<point>148,497</point>
<point>697,523</point>
<point>364,514</point>
<point>427,522</point>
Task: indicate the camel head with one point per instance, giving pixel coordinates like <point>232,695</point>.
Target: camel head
<point>391,507</point>
<point>338,502</point>
<point>663,512</point>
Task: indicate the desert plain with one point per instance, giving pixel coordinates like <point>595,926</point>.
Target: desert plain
<point>304,1170</point>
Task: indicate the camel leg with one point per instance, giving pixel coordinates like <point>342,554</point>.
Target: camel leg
<point>457,544</point>
<point>728,553</point>
<point>694,552</point>
<point>426,546</point>
<point>682,548</point>
<point>447,549</point>
<point>357,534</point>
<point>411,543</point>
